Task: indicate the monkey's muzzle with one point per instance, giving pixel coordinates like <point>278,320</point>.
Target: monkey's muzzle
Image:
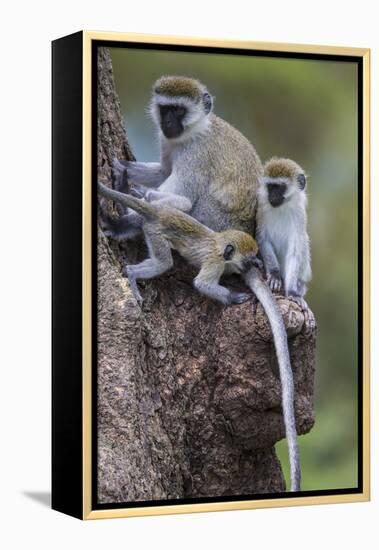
<point>171,122</point>
<point>276,193</point>
<point>251,261</point>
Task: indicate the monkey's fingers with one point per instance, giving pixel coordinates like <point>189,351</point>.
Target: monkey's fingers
<point>309,320</point>
<point>138,191</point>
<point>120,177</point>
<point>299,301</point>
<point>274,282</point>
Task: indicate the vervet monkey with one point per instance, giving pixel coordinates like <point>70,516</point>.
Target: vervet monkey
<point>215,253</point>
<point>203,158</point>
<point>211,164</point>
<point>282,227</point>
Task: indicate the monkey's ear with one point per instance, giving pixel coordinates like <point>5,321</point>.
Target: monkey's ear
<point>301,180</point>
<point>207,101</point>
<point>228,252</point>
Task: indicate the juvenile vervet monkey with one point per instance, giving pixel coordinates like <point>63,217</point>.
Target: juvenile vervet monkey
<point>167,229</point>
<point>210,163</point>
<point>282,227</point>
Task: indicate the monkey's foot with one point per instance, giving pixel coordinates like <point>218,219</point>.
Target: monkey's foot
<point>133,285</point>
<point>299,301</point>
<point>274,281</point>
<point>238,297</point>
<point>309,318</point>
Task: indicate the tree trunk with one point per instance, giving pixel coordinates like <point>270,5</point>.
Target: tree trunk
<point>189,397</point>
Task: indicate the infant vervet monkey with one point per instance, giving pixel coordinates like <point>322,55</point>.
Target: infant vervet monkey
<point>215,253</point>
<point>282,227</point>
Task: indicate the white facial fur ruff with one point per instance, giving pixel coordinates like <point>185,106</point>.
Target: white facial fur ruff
<point>195,121</point>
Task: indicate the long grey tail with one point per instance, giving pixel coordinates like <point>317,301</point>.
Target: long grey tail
<point>264,295</point>
<point>138,205</point>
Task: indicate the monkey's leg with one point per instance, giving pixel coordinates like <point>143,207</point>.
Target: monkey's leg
<point>309,318</point>
<point>296,289</point>
<point>206,282</point>
<point>301,288</point>
<point>139,271</point>
<point>169,199</point>
<point>291,274</point>
<point>150,174</point>
<point>160,262</point>
<point>271,264</point>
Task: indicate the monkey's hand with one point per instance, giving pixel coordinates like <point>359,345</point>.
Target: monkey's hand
<point>238,297</point>
<point>138,191</point>
<point>120,177</point>
<point>274,280</point>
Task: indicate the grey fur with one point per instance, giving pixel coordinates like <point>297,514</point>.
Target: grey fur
<point>199,170</point>
<point>283,239</point>
<point>255,282</point>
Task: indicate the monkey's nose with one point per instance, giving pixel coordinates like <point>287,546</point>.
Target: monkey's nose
<point>252,261</point>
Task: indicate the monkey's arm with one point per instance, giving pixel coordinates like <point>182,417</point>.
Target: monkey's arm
<point>207,283</point>
<point>149,174</point>
<point>169,199</point>
<point>271,263</point>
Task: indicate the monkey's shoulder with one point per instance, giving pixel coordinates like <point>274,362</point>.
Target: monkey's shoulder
<point>227,136</point>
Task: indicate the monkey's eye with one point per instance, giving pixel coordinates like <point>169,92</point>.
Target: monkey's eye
<point>301,181</point>
<point>181,111</point>
<point>228,252</point>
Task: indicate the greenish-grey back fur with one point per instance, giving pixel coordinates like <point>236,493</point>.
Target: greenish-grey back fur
<point>223,179</point>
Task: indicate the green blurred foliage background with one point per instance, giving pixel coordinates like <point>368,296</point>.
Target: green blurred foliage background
<point>306,110</point>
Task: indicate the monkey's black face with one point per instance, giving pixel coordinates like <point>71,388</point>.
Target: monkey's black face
<point>276,192</point>
<point>172,120</point>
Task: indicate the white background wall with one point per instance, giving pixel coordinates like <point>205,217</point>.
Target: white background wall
<point>27,29</point>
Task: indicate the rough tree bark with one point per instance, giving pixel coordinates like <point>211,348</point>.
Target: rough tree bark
<point>188,391</point>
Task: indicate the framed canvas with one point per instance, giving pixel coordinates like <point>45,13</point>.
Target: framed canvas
<point>197,364</point>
